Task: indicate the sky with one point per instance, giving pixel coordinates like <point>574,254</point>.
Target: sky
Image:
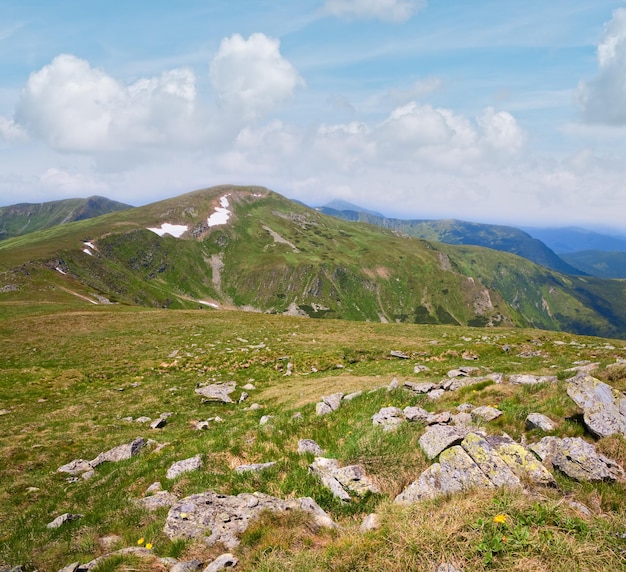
<point>495,111</point>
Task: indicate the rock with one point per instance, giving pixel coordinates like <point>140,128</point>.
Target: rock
<point>309,446</point>
<point>399,354</point>
<point>352,395</point>
<point>154,488</point>
<point>333,401</point>
<point>143,419</point>
<point>389,418</point>
<point>297,416</point>
<point>254,467</point>
<point>394,384</point>
<point>322,408</point>
<point>485,413</point>
<point>461,419</point>
<point>420,368</point>
<point>437,438</point>
<point>221,562</point>
<point>244,395</point>
<point>463,371</point>
<point>201,425</point>
<point>134,550</point>
<point>249,387</point>
<point>435,394</point>
<point>447,567</point>
<point>158,500</point>
<point>489,462</point>
<point>217,391</point>
<point>76,467</point>
<point>110,541</point>
<point>539,421</point>
<point>61,520</point>
<point>442,418</point>
<point>527,379</point>
<point>604,408</point>
<point>341,480</point>
<point>187,566</point>
<point>255,406</point>
<point>578,459</point>
<point>465,407</point>
<point>73,567</point>
<point>422,387</point>
<point>184,466</point>
<point>415,413</point>
<point>265,419</point>
<point>158,423</point>
<point>120,453</point>
<point>469,356</point>
<point>215,518</point>
<point>370,522</point>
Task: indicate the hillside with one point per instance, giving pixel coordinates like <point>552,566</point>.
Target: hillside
<point>23,218</point>
<point>250,248</point>
<point>113,457</point>
<point>497,237</point>
<point>598,262</point>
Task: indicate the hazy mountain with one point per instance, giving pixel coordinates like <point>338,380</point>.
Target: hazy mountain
<point>599,263</point>
<point>23,218</point>
<point>248,247</point>
<point>574,239</point>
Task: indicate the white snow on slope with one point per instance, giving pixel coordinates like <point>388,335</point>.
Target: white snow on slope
<point>211,304</point>
<point>87,251</point>
<point>89,244</point>
<point>175,230</point>
<point>221,214</point>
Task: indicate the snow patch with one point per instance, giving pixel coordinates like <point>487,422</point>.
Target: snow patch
<point>87,251</point>
<point>175,230</point>
<point>89,244</point>
<point>221,214</point>
<point>59,270</point>
<point>211,304</point>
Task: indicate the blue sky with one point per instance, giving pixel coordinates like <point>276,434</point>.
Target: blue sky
<point>493,111</point>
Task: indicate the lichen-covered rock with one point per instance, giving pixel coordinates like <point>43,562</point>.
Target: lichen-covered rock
<point>539,421</point>
<point>389,418</point>
<point>604,408</point>
<point>489,462</point>
<point>437,438</point>
<point>217,391</point>
<point>485,413</point>
<point>184,466</point>
<point>521,461</point>
<point>158,500</point>
<point>578,459</point>
<point>216,518</point>
<point>342,480</point>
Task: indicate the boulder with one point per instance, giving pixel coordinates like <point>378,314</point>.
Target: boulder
<point>438,438</point>
<point>388,418</point>
<point>120,453</point>
<point>527,379</point>
<point>309,446</point>
<point>217,391</point>
<point>489,462</point>
<point>342,480</point>
<point>221,562</point>
<point>322,408</point>
<point>61,520</point>
<point>216,518</point>
<point>485,413</point>
<point>184,466</point>
<point>578,459</point>
<point>604,408</point>
<point>539,421</point>
<point>422,387</point>
<point>333,401</point>
<point>415,413</point>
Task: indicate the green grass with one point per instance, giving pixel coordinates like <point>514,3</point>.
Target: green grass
<point>71,373</point>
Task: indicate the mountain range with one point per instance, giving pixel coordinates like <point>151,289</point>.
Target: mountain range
<point>251,248</point>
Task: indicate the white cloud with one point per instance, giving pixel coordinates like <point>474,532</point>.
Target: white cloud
<point>251,76</point>
<point>417,90</point>
<point>74,107</point>
<point>501,131</point>
<point>11,131</point>
<point>78,184</point>
<point>388,10</point>
<point>603,98</point>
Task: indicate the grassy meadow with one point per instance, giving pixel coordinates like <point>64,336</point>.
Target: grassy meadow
<point>70,374</point>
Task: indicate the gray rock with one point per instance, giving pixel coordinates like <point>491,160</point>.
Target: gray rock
<point>217,391</point>
<point>76,467</point>
<point>464,371</point>
<point>352,395</point>
<point>155,487</point>
<point>215,518</point>
<point>604,408</point>
<point>485,413</point>
<point>61,520</point>
<point>249,387</point>
<point>309,446</point>
<point>187,566</point>
<point>143,419</point>
<point>388,418</point>
<point>184,466</point>
<point>265,419</point>
<point>442,418</point>
<point>322,408</point>
<point>539,421</point>
<point>465,407</point>
<point>158,423</point>
<point>201,425</point>
<point>340,480</point>
<point>158,500</point>
<point>254,467</point>
<point>134,550</point>
<point>255,406</point>
<point>527,379</point>
<point>437,438</point>
<point>222,562</point>
<point>415,413</point>
<point>578,459</point>
<point>447,567</point>
<point>399,354</point>
<point>422,387</point>
<point>370,522</point>
<point>435,394</point>
<point>394,384</point>
<point>73,567</point>
<point>420,368</point>
<point>489,462</point>
<point>462,419</point>
<point>333,401</point>
<point>244,395</point>
<point>120,453</point>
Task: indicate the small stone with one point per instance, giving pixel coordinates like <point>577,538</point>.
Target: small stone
<point>415,413</point>
<point>461,419</point>
<point>370,522</point>
<point>309,446</point>
<point>539,421</point>
<point>184,466</point>
<point>399,354</point>
<point>143,419</point>
<point>352,395</point>
<point>187,566</point>
<point>154,488</point>
<point>61,520</point>
<point>333,401</point>
<point>394,384</point>
<point>217,391</point>
<point>423,387</point>
<point>249,387</point>
<point>226,560</point>
<point>244,395</point>
<point>265,419</point>
<point>442,418</point>
<point>485,413</point>
<point>436,394</point>
<point>465,407</point>
<point>255,407</point>
<point>389,418</point>
<point>447,567</point>
<point>158,423</point>
<point>254,467</point>
<point>322,408</point>
<point>527,379</point>
<point>201,425</point>
<point>420,368</point>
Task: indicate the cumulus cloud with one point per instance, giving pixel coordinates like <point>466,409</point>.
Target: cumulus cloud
<point>70,183</point>
<point>501,131</point>
<point>603,97</point>
<point>387,10</point>
<point>11,131</point>
<point>251,76</point>
<point>75,107</point>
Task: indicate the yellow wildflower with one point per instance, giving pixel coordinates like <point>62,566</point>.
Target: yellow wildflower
<point>149,546</point>
<point>500,518</point>
<point>141,541</point>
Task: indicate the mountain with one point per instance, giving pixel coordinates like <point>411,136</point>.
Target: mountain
<point>497,237</point>
<point>574,239</point>
<point>251,248</point>
<point>599,263</point>
<point>23,218</point>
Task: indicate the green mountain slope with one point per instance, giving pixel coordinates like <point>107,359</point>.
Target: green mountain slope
<point>275,255</point>
<point>599,263</point>
<point>498,237</point>
<point>23,218</point>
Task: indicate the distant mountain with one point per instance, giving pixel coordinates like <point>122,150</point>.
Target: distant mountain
<point>339,205</point>
<point>599,263</point>
<point>24,218</point>
<point>497,237</point>
<point>248,247</point>
<point>575,239</point>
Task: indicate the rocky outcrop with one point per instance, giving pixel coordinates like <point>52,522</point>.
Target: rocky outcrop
<point>342,480</point>
<point>214,518</point>
<point>604,408</point>
<point>217,391</point>
<point>119,453</point>
<point>388,418</point>
<point>539,421</point>
<point>184,466</point>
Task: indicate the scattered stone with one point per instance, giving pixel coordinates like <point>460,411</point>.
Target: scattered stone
<point>154,488</point>
<point>255,406</point>
<point>461,419</point>
<point>184,466</point>
<point>216,518</point>
<point>442,418</point>
<point>352,395</point>
<point>309,446</point>
<point>217,391</point>
<point>322,408</point>
<point>578,459</point>
<point>4,412</point>
<point>75,467</point>
<point>579,507</point>
<point>528,379</point>
<point>143,419</point>
<point>447,567</point>
<point>394,384</point>
<point>120,453</point>
<point>435,394</point>
<point>187,566</point>
<point>158,500</point>
<point>226,560</point>
<point>464,371</point>
<point>485,413</point>
<point>333,401</point>
<point>158,423</point>
<point>539,421</point>
<point>437,438</point>
<point>297,416</point>
<point>201,425</point>
<point>415,413</point>
<point>244,395</point>
<point>341,480</point>
<point>134,550</point>
<point>61,520</point>
<point>423,387</point>
<point>604,408</point>
<point>399,354</point>
<point>265,419</point>
<point>465,407</point>
<point>370,522</point>
<point>254,467</point>
<point>420,368</point>
<point>389,418</point>
<point>249,387</point>
<point>110,541</point>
